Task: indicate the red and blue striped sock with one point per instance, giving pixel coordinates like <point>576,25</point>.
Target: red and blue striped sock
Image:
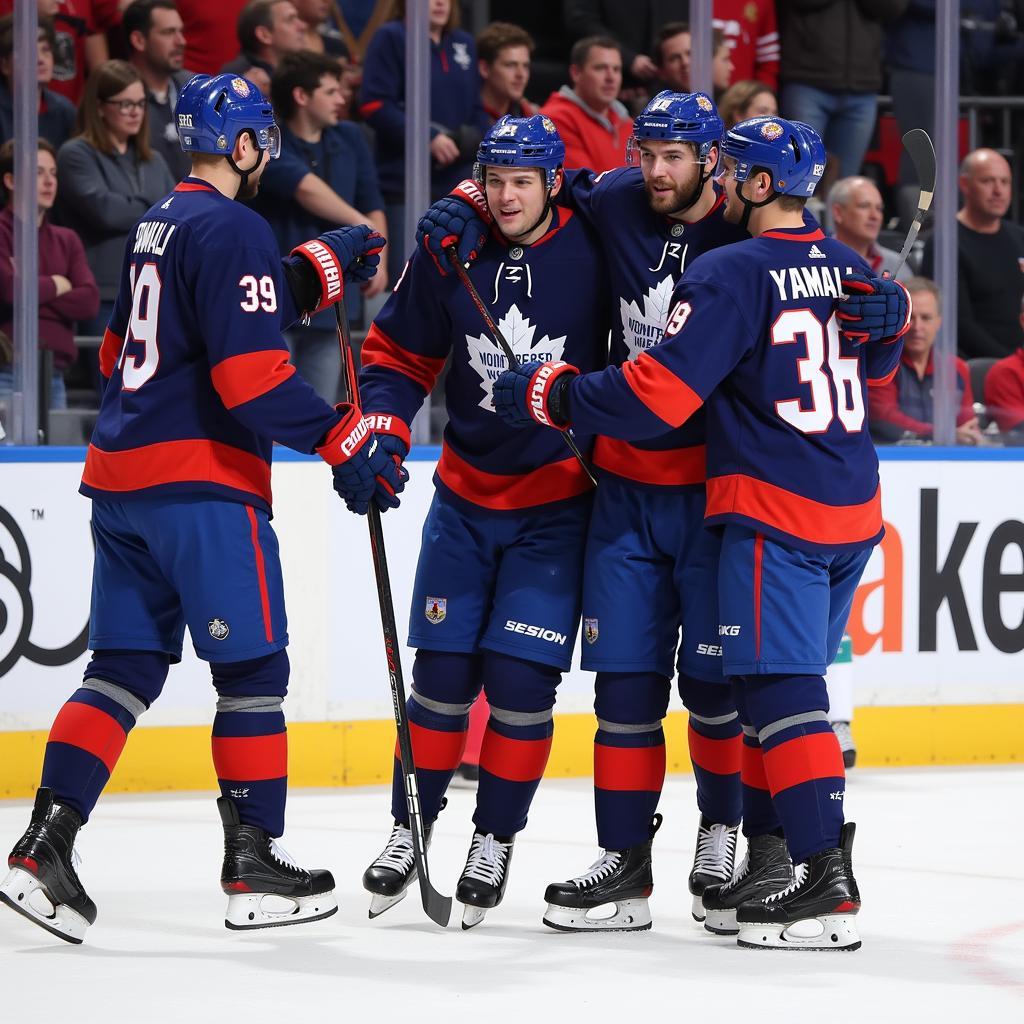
<point>629,775</point>
<point>714,735</point>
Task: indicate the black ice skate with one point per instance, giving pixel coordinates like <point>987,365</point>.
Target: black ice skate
<point>817,911</point>
<point>611,895</point>
<point>265,887</point>
<point>765,869</point>
<point>42,883</point>
<point>713,860</point>
<point>483,881</point>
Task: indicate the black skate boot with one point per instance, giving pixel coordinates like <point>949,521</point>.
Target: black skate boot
<point>265,887</point>
<point>483,881</point>
<point>42,883</point>
<point>765,869</point>
<point>621,879</point>
<point>713,860</point>
<point>817,911</point>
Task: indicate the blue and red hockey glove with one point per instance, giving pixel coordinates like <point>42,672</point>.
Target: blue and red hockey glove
<point>363,470</point>
<point>875,309</point>
<point>461,218</point>
<point>535,393</point>
<point>342,254</point>
<point>393,435</point>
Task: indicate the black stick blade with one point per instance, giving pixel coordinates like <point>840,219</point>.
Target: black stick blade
<point>919,147</point>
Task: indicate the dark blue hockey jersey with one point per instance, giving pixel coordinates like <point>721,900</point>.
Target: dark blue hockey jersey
<point>647,253</point>
<point>550,300</point>
<point>752,332</point>
<point>199,380</point>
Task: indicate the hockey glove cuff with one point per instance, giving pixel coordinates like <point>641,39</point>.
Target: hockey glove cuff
<point>326,262</point>
<point>535,393</point>
<point>393,434</point>
<point>875,309</point>
<point>462,219</point>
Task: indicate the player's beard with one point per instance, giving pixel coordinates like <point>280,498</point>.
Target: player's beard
<point>673,202</point>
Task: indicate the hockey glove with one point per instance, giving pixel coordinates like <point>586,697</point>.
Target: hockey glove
<point>460,218</point>
<point>343,254</point>
<point>363,471</point>
<point>535,393</point>
<point>875,309</point>
<point>393,434</point>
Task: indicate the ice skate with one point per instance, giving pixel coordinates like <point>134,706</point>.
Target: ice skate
<point>713,860</point>
<point>765,869</point>
<point>483,881</point>
<point>265,887</point>
<point>845,736</point>
<point>42,883</point>
<point>611,895</point>
<point>817,911</point>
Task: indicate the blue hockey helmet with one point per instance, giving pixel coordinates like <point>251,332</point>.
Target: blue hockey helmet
<point>677,117</point>
<point>212,111</point>
<point>790,151</point>
<point>522,142</point>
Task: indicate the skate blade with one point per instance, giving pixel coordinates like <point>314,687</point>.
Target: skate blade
<point>827,932</point>
<point>268,910</point>
<point>721,922</point>
<point>623,916</point>
<point>25,894</point>
<point>472,916</point>
<point>697,909</point>
<point>378,903</point>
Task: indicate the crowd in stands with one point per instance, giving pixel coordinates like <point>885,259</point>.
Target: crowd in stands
<point>109,72</point>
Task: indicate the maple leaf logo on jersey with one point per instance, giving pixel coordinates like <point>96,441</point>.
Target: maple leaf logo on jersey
<point>643,328</point>
<point>488,360</point>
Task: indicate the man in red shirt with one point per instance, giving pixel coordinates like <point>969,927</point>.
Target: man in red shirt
<point>1004,388</point>
<point>210,38</point>
<point>750,30</point>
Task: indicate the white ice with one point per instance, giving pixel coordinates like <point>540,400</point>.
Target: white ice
<point>938,858</point>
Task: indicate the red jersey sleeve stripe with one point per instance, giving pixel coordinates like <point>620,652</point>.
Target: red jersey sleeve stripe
<point>240,379</point>
<point>673,467</point>
<point>366,109</point>
<point>880,382</point>
<point>110,350</point>
<point>666,395</point>
<point>379,350</point>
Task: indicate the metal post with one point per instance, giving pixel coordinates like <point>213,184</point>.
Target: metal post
<point>947,131</point>
<point>25,405</point>
<point>700,46</point>
<point>479,16</point>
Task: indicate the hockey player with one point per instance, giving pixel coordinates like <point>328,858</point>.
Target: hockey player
<point>646,547</point>
<point>792,484</point>
<point>496,600</point>
<point>198,388</point>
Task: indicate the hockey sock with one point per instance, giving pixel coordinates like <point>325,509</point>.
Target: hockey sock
<point>478,716</point>
<point>250,740</point>
<point>91,729</point>
<point>714,735</point>
<point>517,742</point>
<point>759,814</point>
<point>443,690</point>
<point>802,760</point>
<point>629,755</point>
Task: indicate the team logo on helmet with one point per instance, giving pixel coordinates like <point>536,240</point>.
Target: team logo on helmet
<point>218,629</point>
<point>240,86</point>
<point>436,609</point>
<point>771,131</point>
<point>704,103</point>
<point>549,125</point>
<point>505,130</point>
<point>590,630</point>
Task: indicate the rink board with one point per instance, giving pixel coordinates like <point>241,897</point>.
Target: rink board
<point>938,626</point>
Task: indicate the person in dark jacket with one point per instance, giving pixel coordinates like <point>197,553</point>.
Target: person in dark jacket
<point>831,71</point>
<point>67,288</point>
<point>267,30</point>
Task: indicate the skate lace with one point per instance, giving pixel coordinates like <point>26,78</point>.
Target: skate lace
<point>486,860</point>
<point>741,873</point>
<point>604,866</point>
<point>397,854</point>
<point>716,849</point>
<point>799,877</point>
<point>282,856</point>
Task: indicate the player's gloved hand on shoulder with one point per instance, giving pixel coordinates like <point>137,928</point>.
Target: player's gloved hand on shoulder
<point>875,309</point>
<point>363,470</point>
<point>393,435</point>
<point>324,264</point>
<point>535,393</point>
<point>462,219</point>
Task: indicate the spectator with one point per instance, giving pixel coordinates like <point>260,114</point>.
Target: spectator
<point>1004,390</point>
<point>594,125</point>
<point>324,177</point>
<point>56,112</point>
<point>633,24</point>
<point>155,35</point>
<point>831,70</point>
<point>210,32</point>
<point>504,53</point>
<point>318,36</point>
<point>990,252</point>
<point>903,408</point>
<point>67,289</point>
<point>109,175</point>
<point>857,215</point>
<point>457,120</point>
<point>267,30</point>
<point>743,100</point>
<point>750,30</point>
<point>672,51</point>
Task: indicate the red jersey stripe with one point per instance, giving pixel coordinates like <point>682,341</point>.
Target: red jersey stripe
<point>239,379</point>
<point>666,395</point>
<point>880,382</point>
<point>379,350</point>
<point>629,769</point>
<point>514,760</point>
<point>792,513</point>
<point>90,729</point>
<point>261,572</point>
<point>785,236</point>
<point>193,186</point>
<point>251,758</point>
<point>803,759</point>
<point>110,351</point>
<point>752,768</point>
<point>366,109</point>
<point>433,749</point>
<point>758,580</point>
<point>170,462</point>
<point>673,467</point>
<point>720,756</point>
<point>557,481</point>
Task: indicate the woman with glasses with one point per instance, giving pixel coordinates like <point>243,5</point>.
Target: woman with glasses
<point>108,175</point>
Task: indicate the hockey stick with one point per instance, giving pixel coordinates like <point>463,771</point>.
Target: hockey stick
<point>922,154</point>
<point>506,348</point>
<point>437,907</point>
